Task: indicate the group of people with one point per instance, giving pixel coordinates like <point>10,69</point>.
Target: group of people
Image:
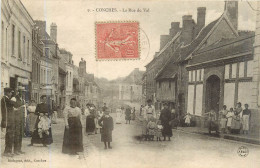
<point>73,137</point>
<point>128,112</point>
<point>234,120</point>
<point>19,119</point>
<point>154,125</point>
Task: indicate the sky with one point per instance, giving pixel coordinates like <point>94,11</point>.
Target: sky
<point>76,26</point>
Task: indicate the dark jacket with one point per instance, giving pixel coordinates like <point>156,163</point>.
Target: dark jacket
<point>7,109</point>
<point>43,108</point>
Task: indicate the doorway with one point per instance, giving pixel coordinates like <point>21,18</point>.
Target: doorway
<point>212,93</point>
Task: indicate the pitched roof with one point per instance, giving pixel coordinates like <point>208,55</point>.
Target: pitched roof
<point>171,67</point>
<point>165,47</point>
<point>223,49</point>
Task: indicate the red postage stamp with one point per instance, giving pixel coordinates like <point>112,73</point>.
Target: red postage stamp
<point>117,40</point>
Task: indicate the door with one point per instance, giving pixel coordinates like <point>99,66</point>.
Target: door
<point>212,93</point>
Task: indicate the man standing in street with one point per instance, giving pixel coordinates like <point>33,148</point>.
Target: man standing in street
<point>8,122</point>
<point>149,110</point>
<point>104,108</point>
<point>19,112</point>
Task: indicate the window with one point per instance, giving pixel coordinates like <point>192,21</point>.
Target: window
<point>28,52</point>
<point>190,76</point>
<point>227,69</point>
<point>170,85</point>
<point>194,76</point>
<point>241,69</point>
<point>47,52</point>
<point>234,70</point>
<point>13,39</point>
<point>160,84</point>
<point>44,76</point>
<point>19,46</point>
<point>249,69</point>
<point>198,75</point>
<point>2,40</point>
<point>24,56</point>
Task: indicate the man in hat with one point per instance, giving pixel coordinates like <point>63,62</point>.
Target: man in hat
<point>19,111</point>
<point>8,122</point>
<point>149,110</point>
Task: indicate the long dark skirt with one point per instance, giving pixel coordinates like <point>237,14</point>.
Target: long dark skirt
<point>167,130</point>
<point>72,140</point>
<point>106,135</point>
<point>46,139</point>
<point>90,124</point>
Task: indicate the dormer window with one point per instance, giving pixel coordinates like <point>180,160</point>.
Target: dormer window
<point>47,52</point>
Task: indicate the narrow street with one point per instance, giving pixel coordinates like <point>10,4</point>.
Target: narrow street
<point>185,150</point>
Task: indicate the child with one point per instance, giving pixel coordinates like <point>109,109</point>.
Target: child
<point>223,122</point>
<point>151,126</point>
<point>106,122</point>
<point>187,119</point>
<point>229,117</point>
<point>159,130</point>
<point>43,126</point>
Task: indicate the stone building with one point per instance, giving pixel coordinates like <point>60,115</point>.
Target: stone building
<point>176,72</point>
<point>130,89</point>
<point>75,91</point>
<point>82,74</point>
<point>37,54</point>
<point>49,70</point>
<point>67,57</point>
<point>16,46</point>
<point>62,82</point>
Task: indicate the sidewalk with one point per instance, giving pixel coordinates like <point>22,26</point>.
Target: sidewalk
<point>250,138</point>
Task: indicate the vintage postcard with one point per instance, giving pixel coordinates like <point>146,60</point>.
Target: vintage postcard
<point>130,84</point>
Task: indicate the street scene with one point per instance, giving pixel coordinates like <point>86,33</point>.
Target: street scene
<point>127,84</point>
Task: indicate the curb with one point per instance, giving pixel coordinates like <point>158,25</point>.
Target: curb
<point>229,137</point>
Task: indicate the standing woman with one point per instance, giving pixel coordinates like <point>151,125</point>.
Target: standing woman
<point>118,115</point>
<point>246,115</point>
<point>165,118</point>
<point>73,139</point>
<point>32,117</point>
<point>42,109</point>
<point>127,115</point>
<point>90,122</point>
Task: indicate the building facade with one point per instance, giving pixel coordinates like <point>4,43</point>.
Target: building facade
<point>37,54</point>
<point>130,89</point>
<point>17,25</point>
<point>69,68</point>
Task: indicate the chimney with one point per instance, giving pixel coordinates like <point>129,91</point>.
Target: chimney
<point>41,28</point>
<point>53,32</point>
<point>231,9</point>
<point>201,14</point>
<point>188,27</point>
<point>175,28</point>
<point>164,40</point>
<point>82,67</point>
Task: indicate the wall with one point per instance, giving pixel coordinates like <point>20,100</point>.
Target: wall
<point>166,91</point>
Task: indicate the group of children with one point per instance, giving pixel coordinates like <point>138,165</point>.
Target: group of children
<point>153,129</point>
<point>235,120</point>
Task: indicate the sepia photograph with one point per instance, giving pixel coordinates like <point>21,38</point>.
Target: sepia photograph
<point>130,84</point>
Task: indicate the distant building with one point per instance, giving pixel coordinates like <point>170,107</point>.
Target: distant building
<point>130,89</point>
<point>69,67</point>
<point>49,72</point>
<point>37,54</point>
